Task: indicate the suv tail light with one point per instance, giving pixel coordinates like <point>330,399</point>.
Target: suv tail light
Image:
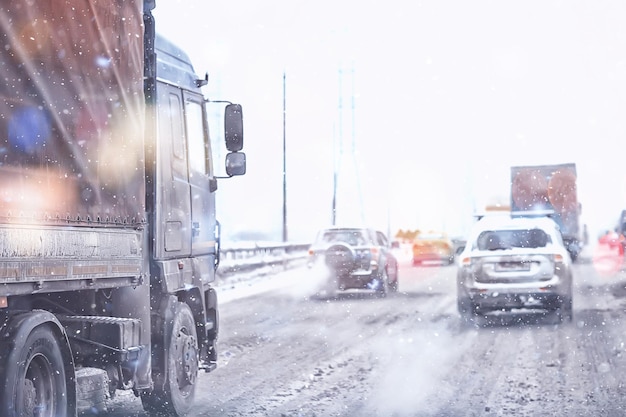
<point>559,261</point>
<point>467,261</point>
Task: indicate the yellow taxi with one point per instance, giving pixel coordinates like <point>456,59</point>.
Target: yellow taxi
<point>433,247</point>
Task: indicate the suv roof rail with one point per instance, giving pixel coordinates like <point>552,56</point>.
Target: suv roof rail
<point>533,213</point>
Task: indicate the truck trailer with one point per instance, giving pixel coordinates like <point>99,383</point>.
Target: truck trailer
<point>550,190</point>
<point>109,240</point>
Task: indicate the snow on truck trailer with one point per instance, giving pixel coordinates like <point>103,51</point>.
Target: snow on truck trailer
<point>108,236</point>
<point>550,189</point>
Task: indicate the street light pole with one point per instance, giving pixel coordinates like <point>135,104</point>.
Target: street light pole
<point>285,238</point>
<point>337,154</point>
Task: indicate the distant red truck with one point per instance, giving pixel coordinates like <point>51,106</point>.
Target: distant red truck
<point>538,189</point>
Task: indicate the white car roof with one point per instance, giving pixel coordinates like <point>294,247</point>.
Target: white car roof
<point>506,222</point>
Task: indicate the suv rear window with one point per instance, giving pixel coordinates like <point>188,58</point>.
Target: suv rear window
<point>507,239</point>
<point>351,237</point>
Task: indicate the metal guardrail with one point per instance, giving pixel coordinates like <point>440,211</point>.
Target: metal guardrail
<point>248,256</point>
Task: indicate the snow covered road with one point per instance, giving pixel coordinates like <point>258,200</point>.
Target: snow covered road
<point>285,353</point>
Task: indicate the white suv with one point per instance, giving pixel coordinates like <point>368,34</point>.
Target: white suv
<point>514,263</point>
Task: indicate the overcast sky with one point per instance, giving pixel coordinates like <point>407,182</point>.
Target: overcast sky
<point>447,96</point>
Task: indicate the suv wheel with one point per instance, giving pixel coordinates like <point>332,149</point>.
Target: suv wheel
<point>468,311</point>
<point>565,311</point>
<point>464,306</point>
<point>383,283</point>
<point>393,286</point>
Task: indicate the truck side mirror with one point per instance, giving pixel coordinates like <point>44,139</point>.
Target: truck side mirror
<point>235,163</point>
<point>233,127</point>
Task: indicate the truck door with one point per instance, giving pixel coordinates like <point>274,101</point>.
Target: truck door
<point>200,176</point>
<point>173,202</point>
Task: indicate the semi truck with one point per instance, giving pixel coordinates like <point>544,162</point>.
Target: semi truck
<point>109,240</point>
<point>550,190</point>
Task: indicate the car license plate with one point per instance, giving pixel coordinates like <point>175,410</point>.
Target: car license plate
<point>512,266</point>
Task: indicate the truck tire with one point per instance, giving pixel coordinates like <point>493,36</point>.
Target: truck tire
<point>175,386</point>
<point>35,375</point>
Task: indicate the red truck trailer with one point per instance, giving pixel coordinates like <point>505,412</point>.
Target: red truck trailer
<point>550,189</point>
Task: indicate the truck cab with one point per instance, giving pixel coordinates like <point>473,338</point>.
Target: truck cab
<point>109,240</point>
<point>184,232</point>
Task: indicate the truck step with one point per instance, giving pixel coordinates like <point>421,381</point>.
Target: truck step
<point>208,366</point>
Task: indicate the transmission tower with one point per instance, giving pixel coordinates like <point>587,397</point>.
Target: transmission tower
<point>347,204</point>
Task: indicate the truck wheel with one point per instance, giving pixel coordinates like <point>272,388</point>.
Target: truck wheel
<point>175,389</point>
<point>34,371</point>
